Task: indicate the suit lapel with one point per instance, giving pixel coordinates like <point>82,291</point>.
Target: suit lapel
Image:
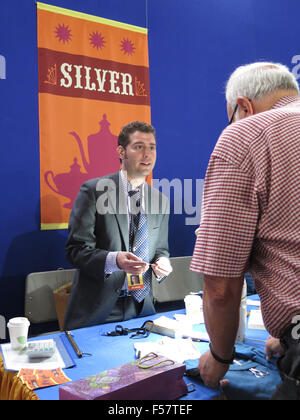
<point>119,207</point>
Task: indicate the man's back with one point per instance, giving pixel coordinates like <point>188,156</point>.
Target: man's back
<point>260,156</point>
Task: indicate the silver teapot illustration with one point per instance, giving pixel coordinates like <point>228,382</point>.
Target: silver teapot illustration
<point>66,184</point>
<point>102,156</point>
<point>102,160</point>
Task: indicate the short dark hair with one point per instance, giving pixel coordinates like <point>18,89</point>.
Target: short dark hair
<point>124,136</point>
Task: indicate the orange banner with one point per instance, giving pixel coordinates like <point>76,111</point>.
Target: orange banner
<point>93,80</point>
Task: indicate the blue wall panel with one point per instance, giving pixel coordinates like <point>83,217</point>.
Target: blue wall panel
<point>194,46</point>
<point>23,247</point>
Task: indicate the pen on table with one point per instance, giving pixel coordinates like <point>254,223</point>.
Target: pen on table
<point>73,344</point>
<point>194,339</point>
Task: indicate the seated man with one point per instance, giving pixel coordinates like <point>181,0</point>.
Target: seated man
<point>118,227</point>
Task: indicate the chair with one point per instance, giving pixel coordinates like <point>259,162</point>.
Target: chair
<point>39,287</point>
<point>39,299</point>
<point>179,283</point>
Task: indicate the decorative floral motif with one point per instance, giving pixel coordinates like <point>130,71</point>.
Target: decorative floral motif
<point>52,76</point>
<point>140,88</point>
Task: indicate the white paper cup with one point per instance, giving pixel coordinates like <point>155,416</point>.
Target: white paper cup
<point>18,332</point>
<point>193,308</point>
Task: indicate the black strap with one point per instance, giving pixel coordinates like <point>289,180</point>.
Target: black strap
<point>141,332</point>
<point>218,359</point>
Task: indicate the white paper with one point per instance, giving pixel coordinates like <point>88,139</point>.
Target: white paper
<point>166,322</point>
<point>186,319</point>
<point>255,321</point>
<point>253,302</point>
<point>178,350</point>
<point>16,360</point>
<point>180,328</point>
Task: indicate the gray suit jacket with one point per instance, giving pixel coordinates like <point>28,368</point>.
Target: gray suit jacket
<point>99,224</point>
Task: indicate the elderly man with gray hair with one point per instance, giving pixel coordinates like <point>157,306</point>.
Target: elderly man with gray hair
<point>250,221</point>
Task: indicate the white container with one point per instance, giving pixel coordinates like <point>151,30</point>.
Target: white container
<point>193,308</point>
<point>243,315</point>
<point>18,332</point>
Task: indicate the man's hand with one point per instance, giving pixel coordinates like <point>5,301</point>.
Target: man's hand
<point>131,263</point>
<point>273,347</point>
<point>162,267</point>
<point>212,371</point>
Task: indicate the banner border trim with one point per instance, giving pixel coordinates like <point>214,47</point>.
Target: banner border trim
<point>54,226</point>
<point>92,18</point>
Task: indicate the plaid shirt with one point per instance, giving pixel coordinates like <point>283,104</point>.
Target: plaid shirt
<point>251,210</point>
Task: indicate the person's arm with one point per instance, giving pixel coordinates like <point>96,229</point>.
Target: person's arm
<point>221,307</point>
<point>81,248</point>
<point>126,261</point>
<point>229,218</point>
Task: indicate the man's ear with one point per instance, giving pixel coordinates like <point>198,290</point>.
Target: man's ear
<point>121,152</point>
<point>246,107</point>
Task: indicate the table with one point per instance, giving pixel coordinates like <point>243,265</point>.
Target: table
<point>108,352</point>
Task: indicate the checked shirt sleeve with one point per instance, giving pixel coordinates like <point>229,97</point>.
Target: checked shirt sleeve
<point>228,221</point>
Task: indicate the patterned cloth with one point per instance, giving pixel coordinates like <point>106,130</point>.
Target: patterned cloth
<point>251,210</point>
<point>138,241</point>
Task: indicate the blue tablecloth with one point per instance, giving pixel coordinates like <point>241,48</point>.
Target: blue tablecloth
<point>108,352</point>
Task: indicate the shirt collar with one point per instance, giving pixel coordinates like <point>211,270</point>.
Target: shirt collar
<point>286,100</point>
<point>127,185</point>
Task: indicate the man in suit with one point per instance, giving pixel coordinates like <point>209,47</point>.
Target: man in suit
<point>118,227</point>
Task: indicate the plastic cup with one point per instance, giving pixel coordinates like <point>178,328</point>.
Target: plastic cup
<point>18,332</point>
<point>193,308</point>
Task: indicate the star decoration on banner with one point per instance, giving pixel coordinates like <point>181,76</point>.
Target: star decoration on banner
<point>63,33</point>
<point>97,40</point>
<point>127,46</point>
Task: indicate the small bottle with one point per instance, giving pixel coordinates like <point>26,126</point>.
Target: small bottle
<point>243,315</point>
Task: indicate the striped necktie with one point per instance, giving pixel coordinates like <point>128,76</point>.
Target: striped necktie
<point>138,241</point>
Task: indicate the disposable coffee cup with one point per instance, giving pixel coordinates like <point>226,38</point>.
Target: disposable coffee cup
<point>193,308</point>
<point>18,332</point>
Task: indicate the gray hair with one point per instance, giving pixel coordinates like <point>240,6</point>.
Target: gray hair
<point>256,80</point>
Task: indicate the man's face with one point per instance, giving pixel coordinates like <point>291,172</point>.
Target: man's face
<point>139,157</point>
